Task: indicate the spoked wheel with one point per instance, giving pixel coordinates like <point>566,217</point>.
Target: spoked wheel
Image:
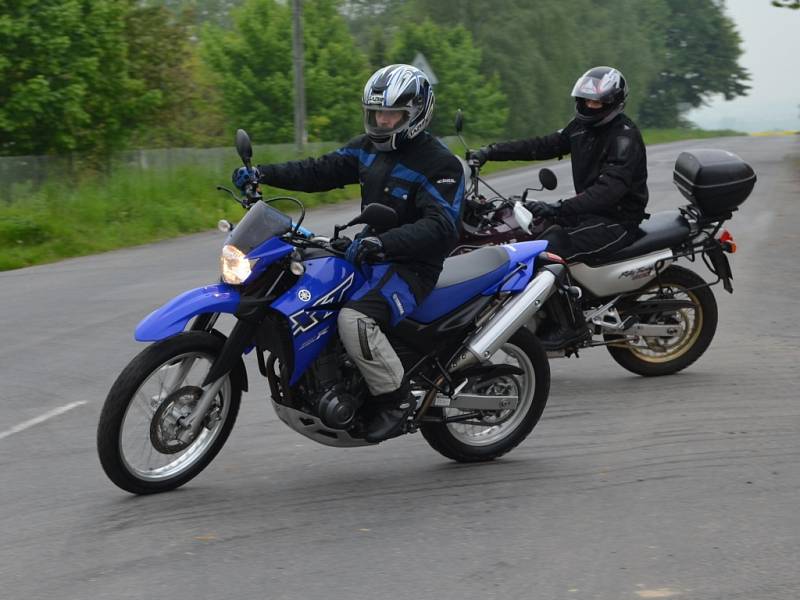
<point>485,435</point>
<point>653,356</point>
<point>142,446</point>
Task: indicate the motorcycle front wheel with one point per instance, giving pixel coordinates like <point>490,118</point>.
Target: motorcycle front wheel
<point>651,356</point>
<point>138,438</point>
<point>490,434</point>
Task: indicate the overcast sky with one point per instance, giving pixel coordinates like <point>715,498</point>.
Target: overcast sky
<point>771,43</point>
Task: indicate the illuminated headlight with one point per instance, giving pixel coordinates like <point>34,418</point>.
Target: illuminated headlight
<point>235,267</point>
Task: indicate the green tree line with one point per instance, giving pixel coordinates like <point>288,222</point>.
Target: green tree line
<point>94,76</point>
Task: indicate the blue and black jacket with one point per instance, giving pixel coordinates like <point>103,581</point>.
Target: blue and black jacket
<point>422,180</point>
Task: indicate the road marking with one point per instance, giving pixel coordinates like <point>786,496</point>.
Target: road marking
<point>41,419</point>
<point>659,593</point>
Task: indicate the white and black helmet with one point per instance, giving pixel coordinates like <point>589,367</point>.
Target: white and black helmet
<point>603,84</point>
<point>400,88</point>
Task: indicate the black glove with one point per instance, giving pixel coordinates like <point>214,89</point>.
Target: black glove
<point>364,248</point>
<point>477,158</point>
<point>242,176</point>
<point>543,210</point>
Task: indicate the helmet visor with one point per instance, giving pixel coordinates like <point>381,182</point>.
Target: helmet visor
<point>593,88</point>
<point>381,121</point>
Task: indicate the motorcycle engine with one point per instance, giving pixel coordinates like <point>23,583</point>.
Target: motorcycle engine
<point>337,409</point>
<point>327,386</point>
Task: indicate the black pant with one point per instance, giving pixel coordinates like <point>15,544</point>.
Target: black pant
<point>591,237</point>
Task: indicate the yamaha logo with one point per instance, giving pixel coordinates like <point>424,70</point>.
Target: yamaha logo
<point>304,295</point>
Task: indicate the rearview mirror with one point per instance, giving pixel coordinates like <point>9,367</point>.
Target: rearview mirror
<point>459,121</point>
<point>244,147</point>
<point>548,179</point>
<point>381,218</point>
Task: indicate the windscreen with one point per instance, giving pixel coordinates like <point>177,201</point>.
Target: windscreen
<point>259,224</point>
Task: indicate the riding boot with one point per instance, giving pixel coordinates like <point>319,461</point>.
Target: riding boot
<point>393,410</point>
<point>564,329</point>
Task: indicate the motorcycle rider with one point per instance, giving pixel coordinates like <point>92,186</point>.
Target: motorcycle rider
<point>398,164</point>
<point>609,169</point>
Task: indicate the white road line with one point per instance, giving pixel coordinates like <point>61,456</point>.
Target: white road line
<point>40,419</point>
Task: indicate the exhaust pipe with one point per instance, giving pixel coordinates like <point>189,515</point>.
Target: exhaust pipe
<point>506,321</point>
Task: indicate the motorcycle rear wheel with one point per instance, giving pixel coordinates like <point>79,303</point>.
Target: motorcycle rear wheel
<point>137,433</point>
<point>653,357</point>
<point>498,432</point>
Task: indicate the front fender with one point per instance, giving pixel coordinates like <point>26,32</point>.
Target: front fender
<point>175,314</point>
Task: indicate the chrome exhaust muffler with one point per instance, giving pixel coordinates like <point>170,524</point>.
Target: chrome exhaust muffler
<point>506,321</point>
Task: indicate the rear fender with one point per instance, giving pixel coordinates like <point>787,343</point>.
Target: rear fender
<point>521,267</point>
<point>172,318</point>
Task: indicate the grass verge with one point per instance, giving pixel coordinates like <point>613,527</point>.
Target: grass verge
<point>132,207</point>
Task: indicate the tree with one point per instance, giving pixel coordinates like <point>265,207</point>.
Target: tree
<point>252,63</point>
<point>702,50</point>
<point>456,62</point>
<point>335,73</point>
<point>793,4</point>
<point>539,49</point>
<point>64,81</point>
<point>163,56</point>
<point>199,12</point>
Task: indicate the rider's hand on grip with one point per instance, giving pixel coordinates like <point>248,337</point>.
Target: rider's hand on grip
<point>243,176</point>
<point>364,248</point>
<point>477,158</point>
<point>543,210</point>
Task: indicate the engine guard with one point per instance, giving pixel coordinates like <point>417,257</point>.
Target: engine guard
<point>172,318</point>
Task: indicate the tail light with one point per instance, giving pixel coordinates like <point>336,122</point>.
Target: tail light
<point>727,241</point>
<point>550,257</point>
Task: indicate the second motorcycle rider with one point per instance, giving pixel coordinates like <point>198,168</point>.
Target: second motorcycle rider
<point>609,171</point>
<point>398,164</point>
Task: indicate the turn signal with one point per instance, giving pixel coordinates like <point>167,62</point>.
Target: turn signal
<point>726,239</point>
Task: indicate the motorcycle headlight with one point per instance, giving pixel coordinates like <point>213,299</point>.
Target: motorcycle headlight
<point>234,266</point>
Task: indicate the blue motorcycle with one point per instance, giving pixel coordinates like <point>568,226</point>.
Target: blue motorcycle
<point>480,378</point>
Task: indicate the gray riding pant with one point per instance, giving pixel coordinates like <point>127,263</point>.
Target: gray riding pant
<point>369,348</point>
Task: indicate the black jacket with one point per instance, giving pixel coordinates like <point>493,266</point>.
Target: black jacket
<point>609,167</point>
<point>423,181</point>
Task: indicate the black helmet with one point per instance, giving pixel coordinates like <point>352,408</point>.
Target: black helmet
<point>400,88</point>
<point>603,84</point>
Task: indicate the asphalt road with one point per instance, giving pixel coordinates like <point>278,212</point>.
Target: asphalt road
<point>682,487</point>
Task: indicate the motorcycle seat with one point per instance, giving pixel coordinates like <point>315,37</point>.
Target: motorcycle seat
<point>663,229</point>
<point>463,277</point>
<point>473,265</point>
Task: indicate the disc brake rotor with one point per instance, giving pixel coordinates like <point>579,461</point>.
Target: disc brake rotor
<point>165,424</point>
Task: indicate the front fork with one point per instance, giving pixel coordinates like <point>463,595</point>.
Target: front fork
<point>204,322</point>
<point>192,423</point>
<point>178,372</point>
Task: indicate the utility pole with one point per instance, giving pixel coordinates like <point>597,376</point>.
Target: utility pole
<point>300,135</point>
